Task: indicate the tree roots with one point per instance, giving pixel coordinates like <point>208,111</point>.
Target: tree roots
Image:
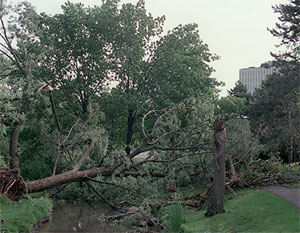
<point>11,184</point>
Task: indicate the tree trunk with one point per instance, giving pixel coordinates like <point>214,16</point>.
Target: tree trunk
<point>66,177</point>
<point>13,147</point>
<point>216,202</point>
<point>234,177</point>
<point>291,147</point>
<point>73,176</point>
<point>130,121</point>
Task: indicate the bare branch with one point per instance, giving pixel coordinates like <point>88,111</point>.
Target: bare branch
<point>86,154</point>
<point>70,131</point>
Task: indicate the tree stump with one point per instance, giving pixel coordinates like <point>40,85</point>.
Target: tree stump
<point>216,201</point>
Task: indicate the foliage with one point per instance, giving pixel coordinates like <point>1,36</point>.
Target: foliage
<point>239,91</point>
<point>275,108</point>
<point>68,107</point>
<point>8,98</point>
<point>230,106</point>
<point>178,59</point>
<point>257,211</point>
<point>35,161</point>
<point>269,172</point>
<point>3,163</point>
<point>76,57</point>
<point>288,29</point>
<point>240,139</point>
<point>294,185</point>
<point>21,216</point>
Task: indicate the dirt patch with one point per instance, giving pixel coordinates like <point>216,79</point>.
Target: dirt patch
<point>291,195</point>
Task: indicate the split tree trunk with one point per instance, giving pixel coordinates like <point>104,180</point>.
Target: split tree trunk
<point>216,202</point>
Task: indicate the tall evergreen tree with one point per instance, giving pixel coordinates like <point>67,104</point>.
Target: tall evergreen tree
<point>239,90</point>
<point>276,105</point>
<point>276,108</point>
<point>288,29</point>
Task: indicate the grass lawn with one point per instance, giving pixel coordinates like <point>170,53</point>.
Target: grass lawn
<point>256,211</point>
<point>21,216</point>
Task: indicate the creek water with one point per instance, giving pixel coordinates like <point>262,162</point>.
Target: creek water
<point>79,217</point>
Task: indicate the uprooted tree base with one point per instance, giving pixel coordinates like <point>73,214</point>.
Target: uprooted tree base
<point>11,184</point>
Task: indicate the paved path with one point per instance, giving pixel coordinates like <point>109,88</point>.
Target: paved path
<point>291,195</point>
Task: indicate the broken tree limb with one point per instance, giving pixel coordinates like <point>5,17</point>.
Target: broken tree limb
<point>86,154</point>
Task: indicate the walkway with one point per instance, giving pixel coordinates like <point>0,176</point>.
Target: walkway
<point>291,195</point>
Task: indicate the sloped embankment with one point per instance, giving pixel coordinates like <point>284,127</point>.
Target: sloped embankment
<point>21,216</point>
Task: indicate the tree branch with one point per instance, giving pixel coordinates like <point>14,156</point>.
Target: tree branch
<point>86,154</point>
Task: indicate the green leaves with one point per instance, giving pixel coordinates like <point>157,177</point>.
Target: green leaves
<point>230,106</point>
<point>181,68</point>
<point>276,107</point>
<point>79,52</point>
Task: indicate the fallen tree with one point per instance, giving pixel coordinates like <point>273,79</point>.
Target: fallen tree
<point>56,100</point>
<point>185,142</point>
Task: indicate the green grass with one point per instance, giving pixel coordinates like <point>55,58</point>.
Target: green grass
<point>257,211</point>
<point>172,217</point>
<point>21,216</point>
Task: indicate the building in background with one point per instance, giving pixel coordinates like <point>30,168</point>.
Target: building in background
<point>253,76</point>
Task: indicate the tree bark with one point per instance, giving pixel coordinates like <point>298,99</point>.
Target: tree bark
<point>216,202</point>
<point>130,121</point>
<point>291,147</point>
<point>234,177</point>
<point>86,154</point>
<point>73,176</point>
<point>66,177</point>
<point>13,147</point>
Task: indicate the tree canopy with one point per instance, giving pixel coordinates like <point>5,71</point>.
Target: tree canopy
<point>63,94</point>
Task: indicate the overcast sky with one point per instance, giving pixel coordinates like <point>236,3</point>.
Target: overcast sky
<point>236,30</point>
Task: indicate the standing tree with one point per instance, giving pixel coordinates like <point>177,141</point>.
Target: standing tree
<point>288,30</point>
<point>276,103</point>
<point>275,107</point>
<point>239,90</point>
<point>154,71</point>
<point>20,63</point>
<point>239,94</point>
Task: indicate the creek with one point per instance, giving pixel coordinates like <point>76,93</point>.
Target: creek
<point>79,217</point>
